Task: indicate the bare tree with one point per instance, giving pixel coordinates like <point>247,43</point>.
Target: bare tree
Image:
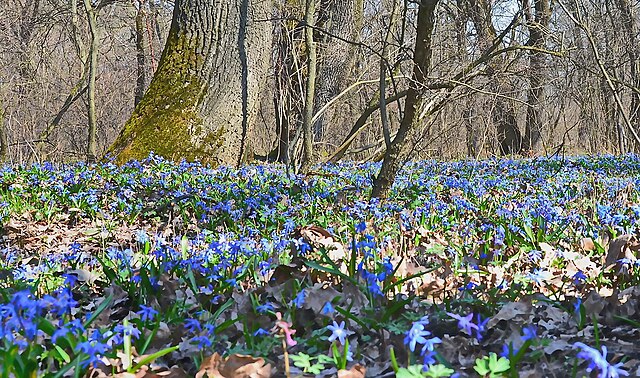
<point>503,113</point>
<point>92,20</point>
<point>537,16</point>
<point>307,121</point>
<point>393,158</point>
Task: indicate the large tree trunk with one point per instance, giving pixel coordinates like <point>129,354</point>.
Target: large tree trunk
<point>393,158</point>
<point>503,114</point>
<point>204,96</point>
<point>343,19</point>
<point>630,24</point>
<point>538,17</point>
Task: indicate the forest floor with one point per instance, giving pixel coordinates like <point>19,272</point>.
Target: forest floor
<point>516,268</point>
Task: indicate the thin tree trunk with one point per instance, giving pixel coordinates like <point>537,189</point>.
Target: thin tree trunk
<point>4,146</point>
<point>538,19</point>
<point>393,159</point>
<point>205,94</point>
<point>384,117</point>
<point>141,80</point>
<point>307,125</point>
<point>502,112</point>
<point>91,88</point>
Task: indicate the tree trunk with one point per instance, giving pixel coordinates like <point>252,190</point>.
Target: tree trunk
<point>91,87</point>
<point>502,112</point>
<point>393,159</point>
<point>343,19</point>
<point>630,24</point>
<point>4,146</point>
<point>307,154</point>
<point>141,80</point>
<point>537,22</point>
<point>204,96</point>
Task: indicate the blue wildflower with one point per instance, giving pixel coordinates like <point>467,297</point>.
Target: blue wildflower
<point>464,323</point>
<point>338,332</point>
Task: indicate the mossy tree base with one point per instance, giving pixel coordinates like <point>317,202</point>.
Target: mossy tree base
<point>203,98</point>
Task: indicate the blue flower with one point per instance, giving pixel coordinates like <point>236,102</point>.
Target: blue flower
<point>298,301</point>
<point>338,332</point>
<point>192,325</point>
<point>481,326</point>
<point>599,360</point>
<point>261,332</point>
<point>327,309</point>
<point>416,335</point>
<point>529,333</point>
<point>361,227</point>
<point>94,351</point>
<point>579,278</point>
<point>508,351</point>
<point>147,313</point>
<point>464,323</point>
<point>202,342</point>
<point>264,308</point>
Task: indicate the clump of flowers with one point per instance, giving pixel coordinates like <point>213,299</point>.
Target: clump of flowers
<point>598,361</point>
<point>418,335</point>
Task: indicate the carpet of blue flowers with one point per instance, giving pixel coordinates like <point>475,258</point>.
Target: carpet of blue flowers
<point>154,269</point>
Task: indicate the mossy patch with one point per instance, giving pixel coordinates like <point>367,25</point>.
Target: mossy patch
<point>166,121</point>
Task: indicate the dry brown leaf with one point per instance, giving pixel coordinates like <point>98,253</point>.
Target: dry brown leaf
<point>317,236</point>
<point>357,371</point>
<point>510,312</point>
<point>621,247</point>
<point>587,244</point>
<point>242,366</point>
<point>209,367</point>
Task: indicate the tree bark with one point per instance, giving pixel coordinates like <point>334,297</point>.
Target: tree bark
<point>502,112</point>
<point>203,99</point>
<point>91,87</point>
<point>393,159</point>
<point>141,80</point>
<point>630,25</point>
<point>343,19</point>
<point>4,146</point>
<point>537,19</point>
<point>307,151</point>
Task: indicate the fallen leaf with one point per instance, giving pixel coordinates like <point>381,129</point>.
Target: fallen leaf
<point>357,371</point>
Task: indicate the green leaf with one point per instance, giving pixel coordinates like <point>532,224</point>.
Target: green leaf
<point>315,368</point>
<point>413,371</point>
<point>439,370</point>
<point>105,303</point>
<point>152,357</point>
<point>498,365</point>
<point>482,366</point>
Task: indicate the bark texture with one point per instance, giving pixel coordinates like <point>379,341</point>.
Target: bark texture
<point>538,16</point>
<point>631,28</point>
<point>393,159</point>
<point>141,80</point>
<point>92,20</point>
<point>4,146</point>
<point>204,96</point>
<point>342,19</point>
<point>307,156</point>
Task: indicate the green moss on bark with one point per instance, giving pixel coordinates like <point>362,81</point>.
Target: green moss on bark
<point>167,119</point>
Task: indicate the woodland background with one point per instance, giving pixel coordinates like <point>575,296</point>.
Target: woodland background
<point>571,76</point>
